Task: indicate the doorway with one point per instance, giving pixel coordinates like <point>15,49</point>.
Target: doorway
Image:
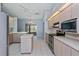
<point>31,29</point>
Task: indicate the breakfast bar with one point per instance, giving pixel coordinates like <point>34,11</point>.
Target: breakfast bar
<point>26,43</point>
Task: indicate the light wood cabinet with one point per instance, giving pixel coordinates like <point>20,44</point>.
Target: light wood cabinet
<point>68,13</point>
<point>65,14</point>
<point>57,48</point>
<point>10,39</point>
<point>61,49</point>
<point>62,16</point>
<point>74,52</point>
<point>75,10</point>
<point>16,37</point>
<point>50,24</point>
<point>66,50</point>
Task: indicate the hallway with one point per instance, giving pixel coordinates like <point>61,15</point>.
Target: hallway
<point>40,48</point>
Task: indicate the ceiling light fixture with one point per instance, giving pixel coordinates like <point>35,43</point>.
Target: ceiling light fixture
<point>62,8</point>
<point>29,22</point>
<point>36,13</point>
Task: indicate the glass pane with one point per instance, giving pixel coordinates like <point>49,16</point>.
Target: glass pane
<point>33,28</point>
<point>27,28</point>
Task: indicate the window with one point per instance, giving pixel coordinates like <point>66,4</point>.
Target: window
<point>31,28</point>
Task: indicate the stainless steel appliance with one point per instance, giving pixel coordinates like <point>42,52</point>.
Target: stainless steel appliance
<point>51,42</point>
<point>60,33</point>
<point>69,25</point>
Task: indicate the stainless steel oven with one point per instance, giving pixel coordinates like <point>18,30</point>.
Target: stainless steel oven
<point>51,42</point>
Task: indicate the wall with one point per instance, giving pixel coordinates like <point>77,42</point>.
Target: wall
<point>45,20</point>
<point>15,24</point>
<point>3,33</point>
<point>11,21</point>
<point>38,22</point>
<point>21,25</point>
<point>40,28</point>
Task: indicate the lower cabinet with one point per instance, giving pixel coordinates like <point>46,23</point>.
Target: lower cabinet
<point>10,38</point>
<point>66,50</point>
<point>74,52</point>
<point>61,49</point>
<point>57,48</point>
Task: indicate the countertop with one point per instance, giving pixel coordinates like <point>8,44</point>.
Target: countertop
<point>17,32</point>
<point>27,36</point>
<point>51,31</point>
<point>69,42</point>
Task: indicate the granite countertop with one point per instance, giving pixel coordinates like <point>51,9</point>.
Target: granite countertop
<point>69,42</point>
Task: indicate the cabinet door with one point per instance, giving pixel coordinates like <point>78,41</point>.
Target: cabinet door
<point>57,47</point>
<point>66,50</point>
<point>75,13</point>
<point>74,52</point>
<point>75,10</point>
<point>60,49</point>
<point>10,38</point>
<point>68,12</point>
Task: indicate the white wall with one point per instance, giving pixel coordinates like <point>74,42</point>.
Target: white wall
<point>45,23</point>
<point>45,20</point>
<point>3,34</point>
<point>21,25</point>
<point>38,22</point>
<point>40,29</point>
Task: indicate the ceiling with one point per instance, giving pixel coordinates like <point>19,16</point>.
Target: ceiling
<point>30,10</point>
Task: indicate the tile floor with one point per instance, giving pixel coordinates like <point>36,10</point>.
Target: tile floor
<point>40,48</point>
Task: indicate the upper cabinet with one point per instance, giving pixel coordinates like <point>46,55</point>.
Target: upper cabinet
<point>70,12</point>
<point>67,13</point>
<point>75,13</point>
<point>12,24</point>
<point>62,16</point>
<point>50,24</point>
<point>75,10</point>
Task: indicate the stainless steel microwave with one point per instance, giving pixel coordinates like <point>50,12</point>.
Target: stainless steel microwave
<point>69,25</point>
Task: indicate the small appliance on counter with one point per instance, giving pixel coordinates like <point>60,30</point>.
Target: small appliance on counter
<point>60,33</point>
<point>56,25</point>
